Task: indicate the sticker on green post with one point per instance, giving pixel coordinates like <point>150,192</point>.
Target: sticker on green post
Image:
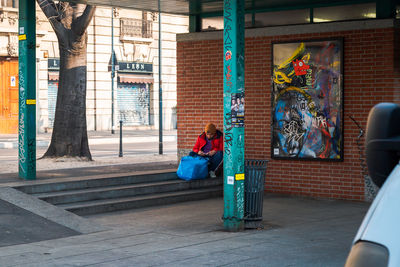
<point>22,37</point>
<point>239,176</point>
<point>31,101</point>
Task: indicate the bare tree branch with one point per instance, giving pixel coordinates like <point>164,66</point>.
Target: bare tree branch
<point>80,25</point>
<point>51,11</point>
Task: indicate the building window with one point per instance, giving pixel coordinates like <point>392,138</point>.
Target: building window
<point>212,24</point>
<point>397,12</point>
<point>217,23</point>
<point>300,16</point>
<point>9,3</point>
<point>136,28</point>
<point>348,12</point>
<point>287,17</point>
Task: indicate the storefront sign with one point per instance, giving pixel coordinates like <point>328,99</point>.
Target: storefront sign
<point>53,63</point>
<point>135,67</point>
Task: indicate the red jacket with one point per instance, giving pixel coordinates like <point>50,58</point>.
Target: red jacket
<point>217,142</point>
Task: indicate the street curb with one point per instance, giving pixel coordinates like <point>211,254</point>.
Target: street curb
<point>97,141</point>
<point>13,144</point>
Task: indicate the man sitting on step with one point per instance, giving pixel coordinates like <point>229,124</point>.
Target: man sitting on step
<point>210,144</point>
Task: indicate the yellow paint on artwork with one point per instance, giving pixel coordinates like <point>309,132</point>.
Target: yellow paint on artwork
<point>310,102</point>
<point>31,101</point>
<point>22,37</point>
<point>336,64</point>
<point>239,176</point>
<point>306,57</point>
<point>280,77</point>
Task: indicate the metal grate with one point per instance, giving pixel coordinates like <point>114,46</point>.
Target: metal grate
<point>254,188</point>
<point>52,100</point>
<point>133,104</point>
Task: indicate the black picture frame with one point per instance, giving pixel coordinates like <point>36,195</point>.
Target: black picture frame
<point>307,100</point>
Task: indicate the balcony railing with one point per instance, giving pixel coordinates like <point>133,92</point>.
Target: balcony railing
<point>136,28</point>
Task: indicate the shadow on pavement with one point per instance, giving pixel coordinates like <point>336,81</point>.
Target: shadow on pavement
<point>19,226</point>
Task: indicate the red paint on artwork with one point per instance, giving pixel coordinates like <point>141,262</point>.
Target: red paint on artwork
<point>300,68</point>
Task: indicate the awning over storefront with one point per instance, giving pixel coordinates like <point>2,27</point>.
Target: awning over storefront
<point>53,76</point>
<point>132,78</point>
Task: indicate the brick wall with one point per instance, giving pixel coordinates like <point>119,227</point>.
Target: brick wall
<point>370,76</point>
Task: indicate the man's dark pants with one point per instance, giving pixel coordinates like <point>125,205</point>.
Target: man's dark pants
<point>214,161</point>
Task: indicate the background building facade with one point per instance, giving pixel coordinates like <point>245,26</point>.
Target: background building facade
<point>136,81</point>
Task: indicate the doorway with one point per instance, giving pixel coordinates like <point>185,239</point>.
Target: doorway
<point>8,96</point>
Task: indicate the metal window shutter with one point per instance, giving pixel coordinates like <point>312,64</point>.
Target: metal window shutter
<point>133,103</point>
<point>52,100</point>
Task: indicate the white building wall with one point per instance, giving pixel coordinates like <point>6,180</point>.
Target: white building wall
<point>170,26</point>
<point>47,46</point>
<point>99,53</point>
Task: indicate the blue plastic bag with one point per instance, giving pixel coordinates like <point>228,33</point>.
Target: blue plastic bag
<point>191,168</point>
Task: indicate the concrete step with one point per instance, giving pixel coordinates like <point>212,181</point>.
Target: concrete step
<point>108,205</point>
<point>77,183</point>
<point>119,191</point>
<point>128,190</point>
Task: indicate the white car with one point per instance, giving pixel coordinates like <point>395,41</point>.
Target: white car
<point>377,242</point>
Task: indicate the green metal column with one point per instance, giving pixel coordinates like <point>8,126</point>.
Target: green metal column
<point>194,18</point>
<point>233,119</point>
<point>27,90</point>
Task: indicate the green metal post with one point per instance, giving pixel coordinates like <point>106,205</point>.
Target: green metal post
<point>160,103</point>
<point>194,18</point>
<point>27,90</point>
<point>233,116</point>
<point>112,71</point>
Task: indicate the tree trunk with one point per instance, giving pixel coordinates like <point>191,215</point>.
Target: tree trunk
<point>70,21</point>
<point>69,136</point>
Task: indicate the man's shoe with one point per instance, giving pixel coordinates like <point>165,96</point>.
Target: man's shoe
<point>212,174</point>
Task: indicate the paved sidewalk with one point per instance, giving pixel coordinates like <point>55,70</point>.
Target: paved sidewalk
<point>298,232</point>
<point>96,137</point>
<point>99,138</point>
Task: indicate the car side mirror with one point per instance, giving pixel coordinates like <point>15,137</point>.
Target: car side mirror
<point>383,141</point>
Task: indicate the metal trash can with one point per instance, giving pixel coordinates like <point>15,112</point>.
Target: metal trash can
<point>254,192</point>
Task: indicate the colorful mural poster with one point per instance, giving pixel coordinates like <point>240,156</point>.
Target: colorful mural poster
<point>307,100</point>
<point>237,109</point>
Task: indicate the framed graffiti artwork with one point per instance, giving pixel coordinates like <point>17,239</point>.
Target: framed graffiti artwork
<point>307,100</point>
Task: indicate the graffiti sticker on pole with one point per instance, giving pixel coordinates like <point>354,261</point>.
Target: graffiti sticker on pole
<point>237,109</point>
<point>239,176</point>
<point>13,81</point>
